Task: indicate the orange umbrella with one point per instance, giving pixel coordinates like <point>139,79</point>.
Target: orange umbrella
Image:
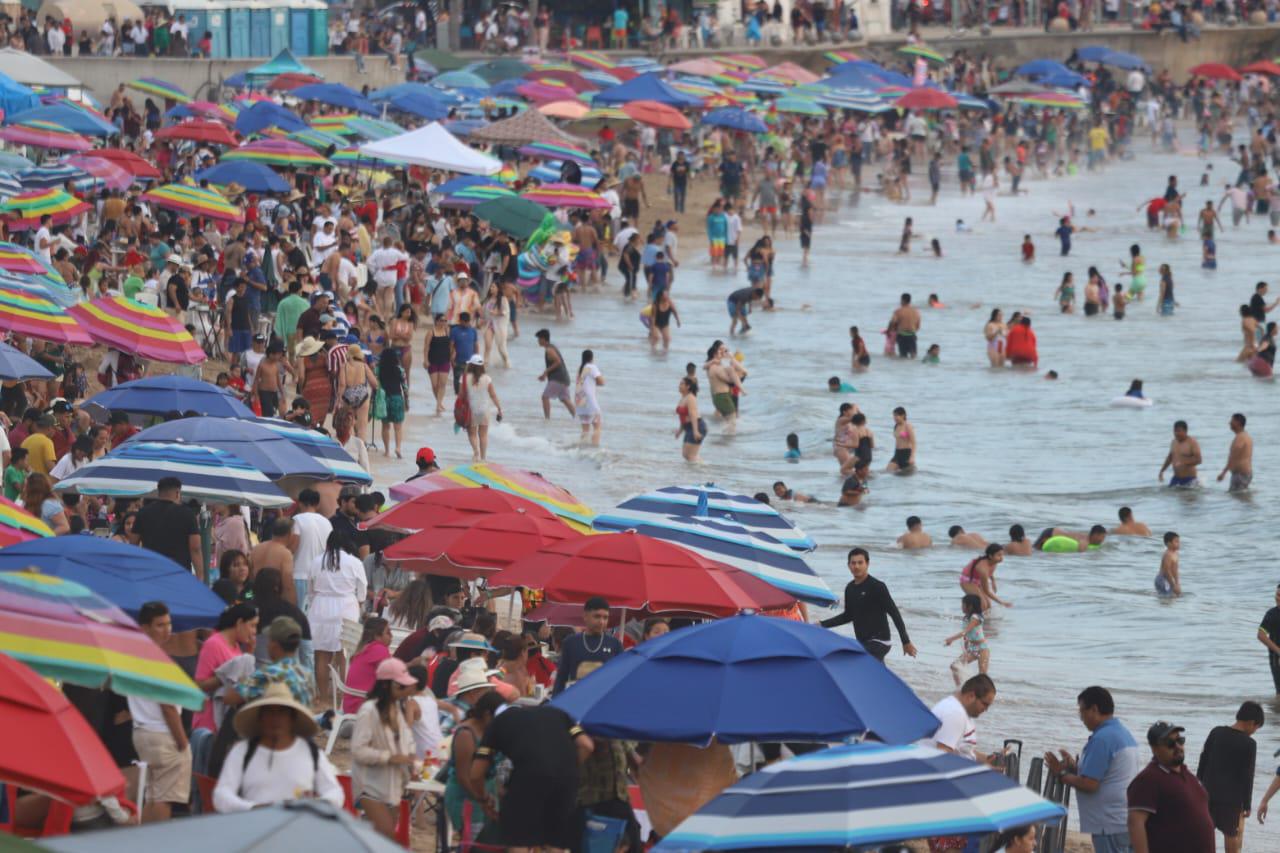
<point>564,109</point>
<point>657,115</point>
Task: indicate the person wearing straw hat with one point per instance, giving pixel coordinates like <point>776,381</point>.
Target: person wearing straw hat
<point>277,760</point>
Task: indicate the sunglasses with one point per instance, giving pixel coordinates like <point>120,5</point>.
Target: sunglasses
<point>1171,742</point>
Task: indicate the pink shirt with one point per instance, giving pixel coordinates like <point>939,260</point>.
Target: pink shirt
<point>361,672</point>
<point>214,653</point>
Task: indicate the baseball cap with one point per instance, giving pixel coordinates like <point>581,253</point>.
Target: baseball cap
<point>260,338</point>
<point>1162,730</point>
<point>284,628</point>
<point>60,406</point>
<point>440,623</point>
<point>477,360</point>
<point>394,669</point>
<point>425,456</point>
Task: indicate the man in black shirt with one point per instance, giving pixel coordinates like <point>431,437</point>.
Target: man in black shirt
<point>1269,636</point>
<point>679,177</point>
<point>869,606</point>
<point>1258,306</point>
<point>169,528</point>
<point>582,654</point>
<point>1226,771</point>
<point>345,519</point>
<point>540,803</point>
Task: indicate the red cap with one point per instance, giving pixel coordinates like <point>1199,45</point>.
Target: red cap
<point>426,456</point>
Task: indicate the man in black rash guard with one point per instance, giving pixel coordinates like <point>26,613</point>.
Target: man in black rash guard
<point>869,606</point>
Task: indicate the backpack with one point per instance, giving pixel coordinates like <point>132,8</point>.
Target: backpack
<point>462,406</point>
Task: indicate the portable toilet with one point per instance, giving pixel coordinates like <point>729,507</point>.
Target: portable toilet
<point>299,28</point>
<point>279,28</point>
<point>206,17</point>
<point>319,16</point>
<point>260,28</point>
<point>239,26</point>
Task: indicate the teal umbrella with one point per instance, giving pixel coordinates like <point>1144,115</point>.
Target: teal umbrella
<point>517,216</point>
<point>799,106</point>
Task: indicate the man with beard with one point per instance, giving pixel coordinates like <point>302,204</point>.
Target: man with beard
<point>1168,807</point>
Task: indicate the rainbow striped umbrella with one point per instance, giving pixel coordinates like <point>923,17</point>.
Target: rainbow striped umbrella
<point>23,211</point>
<point>590,59</point>
<point>598,117</point>
<point>18,525</point>
<point>29,309</point>
<point>835,57</point>
<point>47,285</point>
<point>102,173</point>
<point>566,195</point>
<point>316,140</point>
<point>1055,100</point>
<point>195,201</point>
<point>152,86</point>
<point>557,151</point>
<point>44,134</point>
<point>30,269</point>
<point>923,52</point>
<point>373,129</point>
<point>277,152</point>
<point>468,197</point>
<point>745,61</point>
<point>16,259</point>
<point>335,123</point>
<point>525,484</point>
<point>63,630</point>
<point>508,174</point>
<point>132,327</point>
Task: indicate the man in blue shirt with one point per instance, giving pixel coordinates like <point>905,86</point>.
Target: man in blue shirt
<point>463,338</point>
<point>582,654</point>
<point>1108,764</point>
<point>439,286</point>
<point>659,275</point>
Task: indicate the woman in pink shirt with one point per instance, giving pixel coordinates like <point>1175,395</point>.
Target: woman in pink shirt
<point>374,648</point>
<point>235,634</point>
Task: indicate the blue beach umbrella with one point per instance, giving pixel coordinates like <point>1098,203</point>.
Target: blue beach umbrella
<point>418,105</point>
<point>754,552</point>
<point>17,365</point>
<point>461,182</point>
<point>133,469</point>
<point>9,184</point>
<point>460,80</point>
<point>48,177</point>
<point>735,118</point>
<point>337,95</point>
<point>1039,68</point>
<point>709,502</point>
<point>72,118</point>
<point>125,575</point>
<point>267,450</point>
<point>264,114</point>
<point>747,678</point>
<point>254,177</point>
<point>321,447</point>
<point>859,795</point>
<point>158,395</point>
<point>12,161</point>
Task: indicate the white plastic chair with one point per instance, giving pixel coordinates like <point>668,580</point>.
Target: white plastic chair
<point>352,631</point>
<point>340,690</point>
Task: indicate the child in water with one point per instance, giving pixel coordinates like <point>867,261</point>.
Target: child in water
<point>975,640</point>
<point>1167,582</point>
<point>933,355</point>
<point>1028,249</point>
<point>793,447</point>
<point>1118,301</point>
<point>835,386</point>
<point>1209,255</point>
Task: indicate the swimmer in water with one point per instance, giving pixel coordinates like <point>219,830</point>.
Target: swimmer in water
<point>935,246</point>
<point>1249,328</point>
<point>793,447</point>
<point>1129,526</point>
<point>978,577</point>
<point>781,491</point>
<point>961,228</point>
<point>851,492</point>
<point>1090,541</point>
<point>1135,390</point>
<point>842,439</point>
<point>904,443</point>
<point>904,245</point>
<point>1271,237</point>
<point>1028,249</point>
<point>835,386</point>
<point>1066,294</point>
<point>1184,456</point>
<point>960,539</point>
<point>933,355</point>
<point>935,302</point>
<point>994,332</point>
<point>1118,301</point>
<point>1019,545</point>
<point>915,537</point>
<point>863,443</point>
<point>1136,269</point>
<point>1239,457</point>
<point>1052,374</point>
<point>1168,584</point>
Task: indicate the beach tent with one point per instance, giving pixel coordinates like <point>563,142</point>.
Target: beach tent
<point>284,62</point>
<point>16,98</point>
<point>434,147</point>
<point>22,67</point>
<point>646,87</point>
<point>529,126</point>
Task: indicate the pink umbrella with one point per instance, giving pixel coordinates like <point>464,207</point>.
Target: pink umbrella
<point>544,91</point>
<point>109,174</point>
<point>44,134</point>
<point>924,98</point>
<point>791,71</point>
<point>699,67</point>
<point>566,195</point>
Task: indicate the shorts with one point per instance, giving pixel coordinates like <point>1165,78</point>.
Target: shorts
<point>586,259</point>
<point>1183,482</point>
<point>1163,587</point>
<point>556,391</point>
<point>1116,842</point>
<point>806,238</point>
<point>1153,220</point>
<point>438,368</point>
<point>241,340</point>
<point>270,401</point>
<point>395,409</point>
<point>540,812</point>
<point>717,248</point>
<point>902,457</point>
<point>1090,309</point>
<point>724,403</point>
<point>731,251</point>
<point>1239,482</point>
<point>1226,818</point>
<point>906,345</point>
<point>737,310</point>
<point>168,770</point>
<point>769,211</point>
<point>702,432</point>
<point>631,209</point>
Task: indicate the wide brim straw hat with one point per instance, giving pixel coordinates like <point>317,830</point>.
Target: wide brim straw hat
<point>278,696</point>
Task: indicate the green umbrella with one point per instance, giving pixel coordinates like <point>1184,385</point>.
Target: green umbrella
<point>799,106</point>
<point>497,70</point>
<point>443,60</point>
<point>517,216</point>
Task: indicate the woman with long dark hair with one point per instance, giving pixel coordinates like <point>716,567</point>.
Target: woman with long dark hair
<point>338,590</point>
<point>382,746</point>
<point>585,403</point>
<point>374,647</point>
<point>391,377</point>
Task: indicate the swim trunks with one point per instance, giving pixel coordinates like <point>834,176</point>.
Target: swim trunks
<point>556,391</point>
<point>906,345</point>
<point>1239,482</point>
<point>1163,587</point>
<point>723,403</point>
<point>1183,482</point>
<point>702,432</point>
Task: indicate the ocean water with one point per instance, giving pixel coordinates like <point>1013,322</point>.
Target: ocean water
<point>996,447</point>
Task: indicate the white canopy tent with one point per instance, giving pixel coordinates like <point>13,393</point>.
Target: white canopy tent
<point>436,148</point>
<point>30,70</point>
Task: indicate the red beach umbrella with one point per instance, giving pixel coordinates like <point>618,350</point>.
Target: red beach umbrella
<point>132,163</point>
<point>655,114</point>
<point>291,80</point>
<point>925,98</point>
<point>1215,71</point>
<point>1262,66</point>
<point>48,745</point>
<point>198,130</point>
<point>472,545</point>
<point>638,572</point>
<point>436,507</point>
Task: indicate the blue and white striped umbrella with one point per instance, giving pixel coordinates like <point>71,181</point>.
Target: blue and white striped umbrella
<point>860,795</point>
<point>641,64</point>
<point>763,85</point>
<point>132,470</point>
<point>9,185</point>
<point>847,98</point>
<point>549,173</point>
<point>601,78</point>
<point>724,541</point>
<point>711,502</point>
<point>321,447</point>
<point>48,177</point>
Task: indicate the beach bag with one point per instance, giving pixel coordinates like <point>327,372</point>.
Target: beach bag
<point>379,411</point>
<point>462,406</point>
